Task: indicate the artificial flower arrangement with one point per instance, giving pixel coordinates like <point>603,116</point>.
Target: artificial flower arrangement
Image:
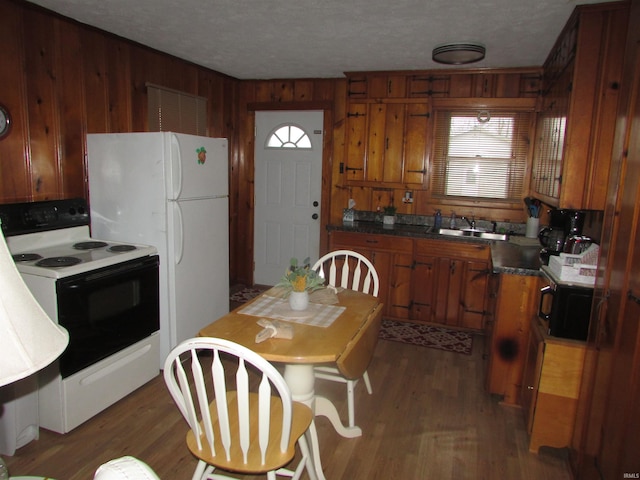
<point>390,210</point>
<point>300,278</point>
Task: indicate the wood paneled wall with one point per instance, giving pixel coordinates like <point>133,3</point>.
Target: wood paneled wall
<point>470,86</point>
<point>62,80</point>
<point>328,95</point>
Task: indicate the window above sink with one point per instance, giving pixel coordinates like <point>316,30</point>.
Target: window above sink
<point>481,154</point>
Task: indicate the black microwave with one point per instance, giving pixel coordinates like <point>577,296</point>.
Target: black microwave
<point>566,308</point>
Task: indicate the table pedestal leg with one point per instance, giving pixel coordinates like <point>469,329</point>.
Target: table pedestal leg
<point>327,409</point>
<point>300,379</point>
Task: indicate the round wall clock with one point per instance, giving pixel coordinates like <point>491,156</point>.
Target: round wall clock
<point>5,122</point>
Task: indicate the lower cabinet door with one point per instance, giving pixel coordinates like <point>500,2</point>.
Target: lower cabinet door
<point>475,294</point>
<point>423,283</point>
<point>400,286</point>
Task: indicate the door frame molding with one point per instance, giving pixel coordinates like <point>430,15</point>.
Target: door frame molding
<point>327,164</point>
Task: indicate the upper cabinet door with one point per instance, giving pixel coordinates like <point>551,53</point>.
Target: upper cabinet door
<point>356,142</point>
<point>416,149</point>
<point>575,130</point>
<point>387,143</point>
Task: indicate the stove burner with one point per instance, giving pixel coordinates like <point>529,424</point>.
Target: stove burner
<point>121,248</point>
<point>26,257</point>
<point>58,262</point>
<point>89,245</point>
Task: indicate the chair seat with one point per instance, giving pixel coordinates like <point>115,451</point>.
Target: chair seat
<point>243,407</point>
<point>274,459</point>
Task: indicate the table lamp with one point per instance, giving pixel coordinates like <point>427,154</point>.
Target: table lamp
<point>29,339</point>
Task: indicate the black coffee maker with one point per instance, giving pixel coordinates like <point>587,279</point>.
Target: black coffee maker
<point>563,226</point>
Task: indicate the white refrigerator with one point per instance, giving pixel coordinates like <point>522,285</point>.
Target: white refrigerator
<point>171,191</point>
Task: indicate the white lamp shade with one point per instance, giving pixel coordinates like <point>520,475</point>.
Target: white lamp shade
<point>29,339</point>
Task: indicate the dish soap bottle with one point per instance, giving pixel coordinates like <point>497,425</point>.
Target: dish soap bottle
<point>437,225</point>
<point>452,221</point>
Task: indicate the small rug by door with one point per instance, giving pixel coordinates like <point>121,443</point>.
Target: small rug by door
<point>242,294</point>
<point>427,336</point>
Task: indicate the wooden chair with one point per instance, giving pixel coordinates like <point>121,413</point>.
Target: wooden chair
<point>347,269</point>
<point>353,271</point>
<point>242,422</point>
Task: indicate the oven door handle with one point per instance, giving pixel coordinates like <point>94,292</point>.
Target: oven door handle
<point>127,268</point>
<point>544,291</point>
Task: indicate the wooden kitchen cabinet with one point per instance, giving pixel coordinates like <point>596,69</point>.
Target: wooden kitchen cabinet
<point>387,143</point>
<point>392,257</point>
<point>399,298</point>
<point>376,85</point>
<point>423,287</point>
<point>550,388</point>
<point>575,128</point>
<point>450,283</point>
<point>433,281</point>
<point>516,303</point>
<point>505,83</point>
<point>388,128</point>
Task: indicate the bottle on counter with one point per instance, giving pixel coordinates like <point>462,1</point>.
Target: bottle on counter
<point>452,220</point>
<point>437,223</point>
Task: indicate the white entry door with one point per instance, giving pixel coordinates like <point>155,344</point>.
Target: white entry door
<point>288,186</point>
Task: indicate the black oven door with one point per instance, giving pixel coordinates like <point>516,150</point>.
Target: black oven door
<point>107,310</point>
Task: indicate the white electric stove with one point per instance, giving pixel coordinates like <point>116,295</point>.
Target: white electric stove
<point>105,293</point>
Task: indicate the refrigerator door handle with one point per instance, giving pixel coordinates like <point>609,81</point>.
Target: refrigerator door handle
<point>176,166</point>
<point>179,233</point>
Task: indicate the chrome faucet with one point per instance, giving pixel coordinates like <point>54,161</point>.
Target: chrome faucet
<point>472,222</point>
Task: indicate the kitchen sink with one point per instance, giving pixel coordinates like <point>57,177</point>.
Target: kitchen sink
<point>494,236</point>
<point>451,232</point>
<point>473,232</point>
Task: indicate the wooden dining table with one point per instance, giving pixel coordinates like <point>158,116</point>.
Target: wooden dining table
<point>309,346</point>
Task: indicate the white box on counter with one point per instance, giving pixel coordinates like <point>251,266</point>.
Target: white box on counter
<point>577,268</point>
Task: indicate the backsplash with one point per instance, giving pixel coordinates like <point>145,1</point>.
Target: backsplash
<point>428,220</point>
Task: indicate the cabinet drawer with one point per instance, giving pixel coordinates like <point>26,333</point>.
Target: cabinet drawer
<point>372,242</point>
<point>444,248</point>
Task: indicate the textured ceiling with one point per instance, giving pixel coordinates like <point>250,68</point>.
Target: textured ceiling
<point>260,39</point>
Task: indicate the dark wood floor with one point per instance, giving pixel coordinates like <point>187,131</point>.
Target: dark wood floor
<point>429,418</point>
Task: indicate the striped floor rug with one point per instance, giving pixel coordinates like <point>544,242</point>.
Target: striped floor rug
<point>427,336</point>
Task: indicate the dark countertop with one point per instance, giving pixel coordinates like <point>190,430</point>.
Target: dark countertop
<point>508,257</point>
<point>512,256</point>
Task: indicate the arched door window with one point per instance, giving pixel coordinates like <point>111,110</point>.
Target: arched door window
<point>289,136</point>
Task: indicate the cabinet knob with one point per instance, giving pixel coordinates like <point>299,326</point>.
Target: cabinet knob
<point>530,387</point>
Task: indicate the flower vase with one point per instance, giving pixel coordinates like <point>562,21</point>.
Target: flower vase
<point>299,300</point>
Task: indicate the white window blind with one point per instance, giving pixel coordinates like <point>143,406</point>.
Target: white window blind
<point>173,111</point>
<point>481,154</point>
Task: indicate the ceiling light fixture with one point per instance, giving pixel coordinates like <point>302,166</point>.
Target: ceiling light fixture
<point>458,53</point>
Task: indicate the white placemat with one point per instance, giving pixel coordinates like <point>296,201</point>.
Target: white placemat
<point>316,314</point>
